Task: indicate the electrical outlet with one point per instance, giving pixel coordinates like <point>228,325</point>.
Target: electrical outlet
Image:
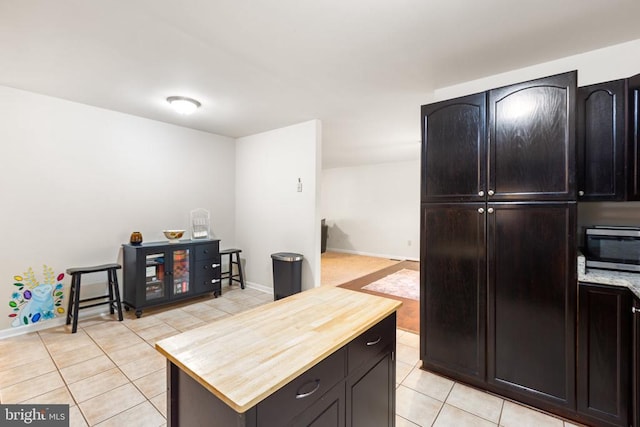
<point>408,242</point>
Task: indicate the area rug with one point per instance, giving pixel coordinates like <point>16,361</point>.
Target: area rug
<point>409,312</point>
<point>404,283</point>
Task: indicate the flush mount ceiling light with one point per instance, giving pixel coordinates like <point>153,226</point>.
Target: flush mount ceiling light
<point>183,105</point>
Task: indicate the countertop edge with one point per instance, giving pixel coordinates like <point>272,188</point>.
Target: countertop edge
<point>630,281</point>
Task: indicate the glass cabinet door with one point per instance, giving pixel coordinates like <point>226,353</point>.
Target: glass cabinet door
<point>154,277</point>
<point>180,276</point>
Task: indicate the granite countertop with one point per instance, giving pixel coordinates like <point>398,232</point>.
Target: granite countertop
<point>244,358</point>
<point>608,277</point>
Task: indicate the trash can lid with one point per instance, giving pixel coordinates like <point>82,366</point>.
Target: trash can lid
<point>287,256</point>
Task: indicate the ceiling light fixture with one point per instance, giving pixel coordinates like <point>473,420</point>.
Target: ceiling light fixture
<point>183,105</point>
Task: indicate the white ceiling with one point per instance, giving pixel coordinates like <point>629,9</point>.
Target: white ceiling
<point>363,67</point>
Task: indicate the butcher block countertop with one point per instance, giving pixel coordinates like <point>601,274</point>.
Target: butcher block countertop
<point>244,358</point>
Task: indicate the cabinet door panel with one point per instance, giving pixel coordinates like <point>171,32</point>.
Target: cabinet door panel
<point>453,149</point>
<point>453,284</point>
<point>601,141</point>
<point>532,141</point>
<point>603,353</point>
<point>329,411</point>
<point>633,150</point>
<point>368,405</point>
<point>531,304</point>
<point>180,275</point>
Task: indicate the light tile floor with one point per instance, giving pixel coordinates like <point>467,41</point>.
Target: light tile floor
<point>111,375</point>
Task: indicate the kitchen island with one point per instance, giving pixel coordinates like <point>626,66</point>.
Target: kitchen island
<point>321,357</point>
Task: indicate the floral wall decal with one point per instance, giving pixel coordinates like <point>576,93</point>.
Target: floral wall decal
<point>33,301</point>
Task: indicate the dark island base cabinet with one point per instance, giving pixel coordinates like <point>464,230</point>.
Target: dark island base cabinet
<point>161,272</point>
<point>352,387</point>
<point>604,339</point>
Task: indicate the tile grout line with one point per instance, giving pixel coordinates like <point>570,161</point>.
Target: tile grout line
<point>501,410</point>
<point>130,381</point>
<point>77,404</point>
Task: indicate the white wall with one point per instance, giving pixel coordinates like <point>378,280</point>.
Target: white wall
<point>611,63</point>
<point>374,209</point>
<point>271,215</point>
<point>77,180</point>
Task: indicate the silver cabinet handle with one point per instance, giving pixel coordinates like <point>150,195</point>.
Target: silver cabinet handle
<point>215,280</point>
<point>635,310</point>
<point>491,192</point>
<point>481,210</point>
<point>490,210</point>
<point>215,265</point>
<point>480,193</point>
<point>374,342</point>
<point>303,395</point>
<point>580,193</point>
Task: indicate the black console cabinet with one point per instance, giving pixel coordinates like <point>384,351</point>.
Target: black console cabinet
<point>162,272</point>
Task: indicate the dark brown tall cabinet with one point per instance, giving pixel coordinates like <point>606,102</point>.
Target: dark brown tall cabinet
<point>498,262</point>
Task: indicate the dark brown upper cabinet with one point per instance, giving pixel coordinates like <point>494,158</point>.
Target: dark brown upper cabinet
<point>515,143</point>
<point>633,147</point>
<point>455,140</point>
<point>602,141</point>
<point>608,131</point>
<point>531,151</point>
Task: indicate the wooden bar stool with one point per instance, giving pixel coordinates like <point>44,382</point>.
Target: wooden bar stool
<point>113,297</point>
<point>239,277</point>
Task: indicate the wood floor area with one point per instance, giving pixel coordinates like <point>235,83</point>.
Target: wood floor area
<point>355,271</point>
<point>338,268</point>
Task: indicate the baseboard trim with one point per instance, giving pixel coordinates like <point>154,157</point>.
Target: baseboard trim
<point>52,323</point>
<point>259,287</point>
<point>388,256</point>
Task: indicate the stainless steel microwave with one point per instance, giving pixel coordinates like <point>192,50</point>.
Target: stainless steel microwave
<point>613,248</point>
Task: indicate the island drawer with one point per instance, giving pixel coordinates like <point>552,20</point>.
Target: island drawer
<point>282,406</point>
<point>370,343</point>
